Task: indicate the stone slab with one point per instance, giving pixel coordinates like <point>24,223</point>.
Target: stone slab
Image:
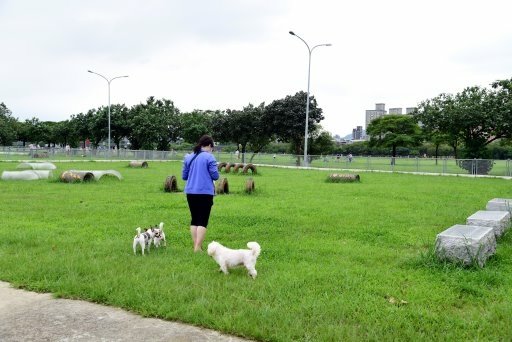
<point>466,244</point>
<point>497,220</point>
<point>499,204</point>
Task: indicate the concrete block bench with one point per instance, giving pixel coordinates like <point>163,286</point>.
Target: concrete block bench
<point>466,244</point>
<point>497,220</point>
<point>499,204</point>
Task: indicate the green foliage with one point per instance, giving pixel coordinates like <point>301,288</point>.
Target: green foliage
<point>321,143</point>
<point>154,124</point>
<point>7,126</point>
<point>474,118</point>
<point>394,131</point>
<point>195,125</point>
<point>287,118</point>
<point>339,262</point>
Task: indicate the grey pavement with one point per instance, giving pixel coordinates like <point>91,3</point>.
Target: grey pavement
<point>30,316</point>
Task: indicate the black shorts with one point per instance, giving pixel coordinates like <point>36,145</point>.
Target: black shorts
<point>200,207</point>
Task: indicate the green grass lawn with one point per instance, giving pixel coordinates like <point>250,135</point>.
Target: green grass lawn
<point>339,261</point>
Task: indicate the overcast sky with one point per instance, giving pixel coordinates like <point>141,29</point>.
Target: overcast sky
<point>220,54</point>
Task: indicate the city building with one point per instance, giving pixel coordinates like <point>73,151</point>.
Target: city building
<point>357,133</point>
<point>372,114</point>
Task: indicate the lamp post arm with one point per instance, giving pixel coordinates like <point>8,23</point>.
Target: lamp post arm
<point>100,75</point>
<point>116,77</point>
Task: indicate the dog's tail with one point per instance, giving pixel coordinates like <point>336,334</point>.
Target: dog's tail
<point>161,226</point>
<point>255,247</point>
<point>138,231</point>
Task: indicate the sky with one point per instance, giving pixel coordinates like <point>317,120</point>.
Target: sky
<point>226,54</point>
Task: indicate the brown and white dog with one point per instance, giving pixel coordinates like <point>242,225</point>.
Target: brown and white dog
<point>143,240</point>
<point>159,237</point>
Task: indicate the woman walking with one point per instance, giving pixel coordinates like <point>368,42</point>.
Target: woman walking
<point>200,170</point>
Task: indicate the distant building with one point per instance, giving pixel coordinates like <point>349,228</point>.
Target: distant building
<point>380,110</point>
<point>357,133</point>
<point>372,114</point>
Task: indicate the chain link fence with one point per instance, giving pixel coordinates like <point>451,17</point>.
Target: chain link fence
<point>502,168</point>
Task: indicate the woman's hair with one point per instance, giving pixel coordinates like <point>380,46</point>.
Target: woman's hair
<point>205,140</point>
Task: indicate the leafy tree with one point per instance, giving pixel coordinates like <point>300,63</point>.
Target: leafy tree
<point>321,143</point>
<point>439,120</point>
<point>286,117</point>
<point>246,127</point>
<point>196,124</point>
<point>393,131</point>
<point>260,134</point>
<point>63,132</point>
<point>7,126</point>
<point>219,126</point>
<point>154,124</point>
<point>81,126</point>
<point>475,117</point>
<point>478,126</point>
<point>119,124</point>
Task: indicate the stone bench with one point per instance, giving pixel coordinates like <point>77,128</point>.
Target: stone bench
<point>497,220</point>
<point>466,244</point>
<point>499,204</point>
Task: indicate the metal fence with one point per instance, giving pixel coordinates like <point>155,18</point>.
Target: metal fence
<point>502,168</point>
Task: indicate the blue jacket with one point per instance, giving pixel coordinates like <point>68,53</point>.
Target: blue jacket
<point>200,174</point>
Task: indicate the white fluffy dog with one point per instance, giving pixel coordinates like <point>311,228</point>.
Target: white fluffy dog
<point>229,258</point>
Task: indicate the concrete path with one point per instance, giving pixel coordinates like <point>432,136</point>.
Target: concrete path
<point>29,316</point>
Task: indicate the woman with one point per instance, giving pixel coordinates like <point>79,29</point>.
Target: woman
<point>200,170</point>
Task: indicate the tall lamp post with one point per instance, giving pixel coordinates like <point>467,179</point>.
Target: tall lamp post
<point>310,50</point>
<point>108,81</point>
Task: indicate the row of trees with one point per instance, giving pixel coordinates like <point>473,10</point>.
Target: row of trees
<point>159,124</point>
<point>471,119</point>
<point>466,122</point>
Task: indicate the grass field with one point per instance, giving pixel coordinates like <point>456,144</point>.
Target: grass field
<point>339,261</point>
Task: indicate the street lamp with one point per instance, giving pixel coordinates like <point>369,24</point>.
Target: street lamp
<point>310,50</point>
<point>108,81</point>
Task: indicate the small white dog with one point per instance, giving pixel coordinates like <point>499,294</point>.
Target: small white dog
<point>159,235</point>
<point>143,240</point>
<point>229,258</point>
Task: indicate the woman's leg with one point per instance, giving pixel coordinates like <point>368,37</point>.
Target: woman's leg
<point>200,234</point>
<point>193,233</point>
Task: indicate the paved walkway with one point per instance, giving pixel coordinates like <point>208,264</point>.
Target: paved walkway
<point>29,316</point>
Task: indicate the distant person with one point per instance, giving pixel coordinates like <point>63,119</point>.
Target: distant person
<point>350,157</point>
<point>237,154</point>
<point>200,170</point>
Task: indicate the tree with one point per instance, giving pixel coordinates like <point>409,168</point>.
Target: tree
<point>321,143</point>
<point>80,126</point>
<point>475,117</point>
<point>394,131</point>
<point>439,121</point>
<point>246,127</point>
<point>8,126</point>
<point>195,125</point>
<point>286,118</point>
<point>429,115</point>
<point>154,124</point>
